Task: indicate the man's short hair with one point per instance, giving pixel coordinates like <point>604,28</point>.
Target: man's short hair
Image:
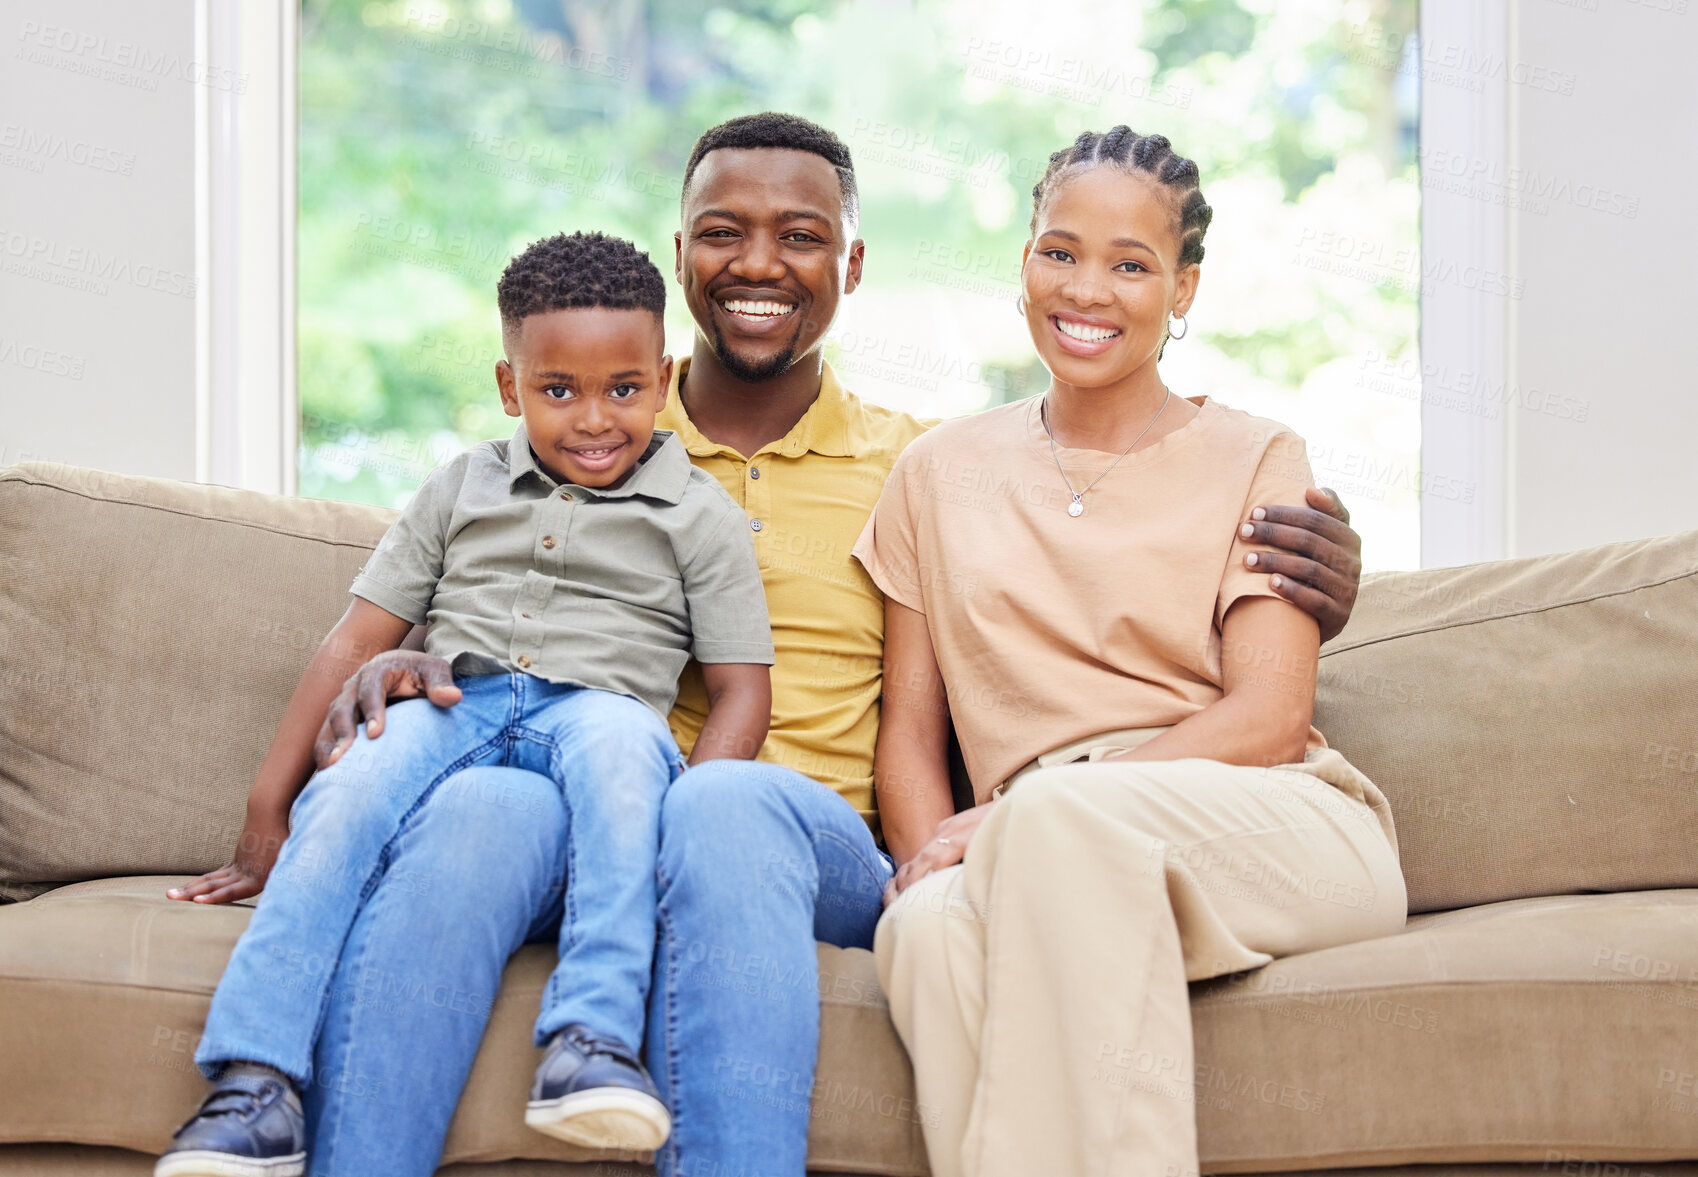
<point>576,272</point>
<point>786,131</point>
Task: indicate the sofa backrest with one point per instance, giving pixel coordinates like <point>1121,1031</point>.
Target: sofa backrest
<point>1533,722</point>
<point>151,633</point>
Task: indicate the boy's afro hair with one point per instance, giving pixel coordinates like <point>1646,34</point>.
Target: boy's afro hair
<point>578,271</point>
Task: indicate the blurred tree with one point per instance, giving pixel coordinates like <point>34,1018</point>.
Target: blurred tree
<point>1181,31</point>
<point>437,137</point>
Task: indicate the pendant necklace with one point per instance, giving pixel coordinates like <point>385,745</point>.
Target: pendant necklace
<point>1077,507</point>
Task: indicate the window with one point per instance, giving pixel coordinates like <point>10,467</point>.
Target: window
<point>437,137</point>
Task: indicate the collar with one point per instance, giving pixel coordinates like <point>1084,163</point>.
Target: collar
<point>825,429</point>
<point>663,472</point>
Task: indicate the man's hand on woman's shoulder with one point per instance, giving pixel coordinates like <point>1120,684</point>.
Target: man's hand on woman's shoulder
<point>1319,566</point>
<point>395,674</point>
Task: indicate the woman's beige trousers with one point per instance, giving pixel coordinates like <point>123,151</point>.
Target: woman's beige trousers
<point>1040,987</point>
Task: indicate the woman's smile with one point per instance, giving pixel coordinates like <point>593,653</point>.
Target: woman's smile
<point>1083,335</point>
<point>1101,277</point>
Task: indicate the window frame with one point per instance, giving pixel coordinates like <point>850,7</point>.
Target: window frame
<point>246,407</point>
<point>1465,331</point>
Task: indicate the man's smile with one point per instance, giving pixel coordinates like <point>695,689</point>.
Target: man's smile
<point>757,309</point>
<point>755,312</point>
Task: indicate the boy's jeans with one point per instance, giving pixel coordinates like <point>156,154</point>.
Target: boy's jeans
<point>612,760</point>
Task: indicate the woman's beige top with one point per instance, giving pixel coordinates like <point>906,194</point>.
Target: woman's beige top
<point>1050,628</point>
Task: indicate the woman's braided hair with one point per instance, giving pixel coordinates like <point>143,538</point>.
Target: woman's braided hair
<point>1151,154</point>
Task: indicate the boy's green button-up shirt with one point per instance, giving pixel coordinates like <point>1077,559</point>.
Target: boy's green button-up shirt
<point>607,588</point>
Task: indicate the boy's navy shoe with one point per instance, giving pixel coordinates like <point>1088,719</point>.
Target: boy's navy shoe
<point>592,1091</point>
<point>250,1126</point>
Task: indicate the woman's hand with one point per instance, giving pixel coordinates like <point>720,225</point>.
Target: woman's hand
<point>396,674</point>
<point>244,876</point>
<point>947,847</point>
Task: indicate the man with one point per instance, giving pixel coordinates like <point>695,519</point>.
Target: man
<point>758,861</point>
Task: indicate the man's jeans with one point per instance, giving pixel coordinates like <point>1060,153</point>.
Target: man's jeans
<point>756,863</point>
<point>404,825</point>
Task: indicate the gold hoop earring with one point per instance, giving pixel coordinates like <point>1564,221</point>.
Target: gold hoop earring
<point>1172,334</point>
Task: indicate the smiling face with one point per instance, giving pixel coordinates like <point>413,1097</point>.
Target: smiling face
<point>1101,276</point>
<point>765,255</point>
<point>588,384</point>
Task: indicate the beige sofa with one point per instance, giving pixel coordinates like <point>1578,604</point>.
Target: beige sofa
<point>1535,724</point>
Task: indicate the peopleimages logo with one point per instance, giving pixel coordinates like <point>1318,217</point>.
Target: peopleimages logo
<point>1527,189</point>
<point>548,164</point>
<point>84,268</point>
<point>1395,264</point>
<point>1448,64</point>
<point>49,147</point>
<point>93,53</point>
<point>1461,388</point>
<point>40,359</point>
<point>1018,64</point>
<point>485,44</point>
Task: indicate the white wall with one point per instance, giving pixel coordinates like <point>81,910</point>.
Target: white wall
<point>1611,275</point>
<point>1560,158</point>
<point>97,234</point>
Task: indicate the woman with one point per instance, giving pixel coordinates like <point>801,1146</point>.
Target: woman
<point>1121,682</point>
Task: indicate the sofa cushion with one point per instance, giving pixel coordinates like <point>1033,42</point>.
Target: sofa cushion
<point>1531,721</point>
<point>1520,1031</point>
<point>104,988</point>
<point>1506,1032</point>
<point>151,633</point>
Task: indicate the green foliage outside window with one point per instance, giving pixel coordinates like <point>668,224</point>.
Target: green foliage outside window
<point>437,137</point>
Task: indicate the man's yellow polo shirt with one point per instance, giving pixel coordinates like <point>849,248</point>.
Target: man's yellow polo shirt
<point>808,496</point>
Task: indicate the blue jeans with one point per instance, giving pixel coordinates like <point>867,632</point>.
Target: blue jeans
<point>610,761</point>
<point>393,1055</point>
<point>756,864</point>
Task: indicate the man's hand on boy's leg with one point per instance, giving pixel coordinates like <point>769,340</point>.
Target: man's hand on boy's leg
<point>395,674</point>
<point>1320,568</point>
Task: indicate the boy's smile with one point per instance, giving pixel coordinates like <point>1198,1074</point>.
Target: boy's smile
<point>587,384</point>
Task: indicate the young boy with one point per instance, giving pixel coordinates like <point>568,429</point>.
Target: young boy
<point>568,574</point>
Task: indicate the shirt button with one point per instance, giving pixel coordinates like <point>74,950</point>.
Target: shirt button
<point>524,661</point>
<point>565,494</point>
<point>754,472</point>
<point>755,525</point>
<point>548,541</point>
